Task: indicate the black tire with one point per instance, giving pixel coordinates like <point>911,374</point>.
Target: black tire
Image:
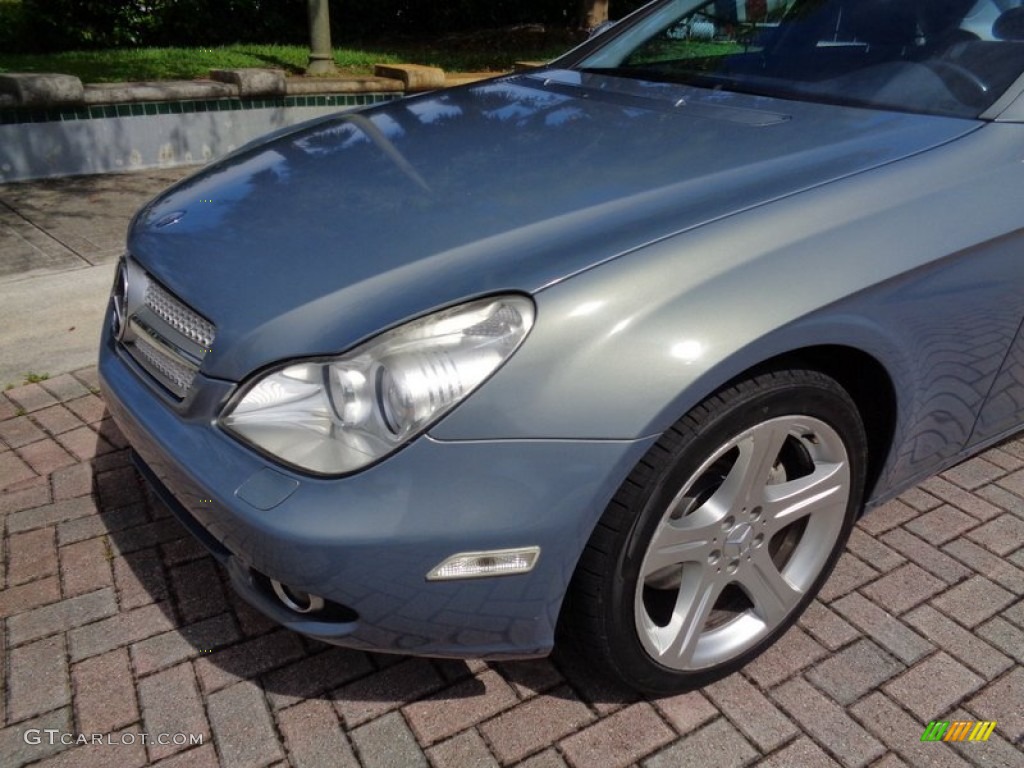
<point>695,496</point>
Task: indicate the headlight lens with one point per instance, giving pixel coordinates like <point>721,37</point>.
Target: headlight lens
<point>337,416</point>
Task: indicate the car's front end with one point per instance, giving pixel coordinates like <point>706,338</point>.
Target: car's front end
<point>393,367</point>
<point>419,553</point>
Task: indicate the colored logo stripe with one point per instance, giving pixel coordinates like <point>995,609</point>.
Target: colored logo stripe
<point>958,730</point>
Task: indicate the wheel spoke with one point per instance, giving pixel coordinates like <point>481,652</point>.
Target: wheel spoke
<point>773,597</point>
<point>698,593</point>
<point>748,476</point>
<point>676,543</point>
<point>822,491</point>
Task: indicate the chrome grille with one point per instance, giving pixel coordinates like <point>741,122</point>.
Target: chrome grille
<point>179,317</point>
<point>179,374</point>
<point>166,337</point>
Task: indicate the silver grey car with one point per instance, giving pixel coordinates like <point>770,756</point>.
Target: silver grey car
<point>615,350</point>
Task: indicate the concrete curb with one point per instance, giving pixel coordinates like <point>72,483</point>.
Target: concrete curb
<point>36,90</point>
<point>43,89</point>
<point>252,82</point>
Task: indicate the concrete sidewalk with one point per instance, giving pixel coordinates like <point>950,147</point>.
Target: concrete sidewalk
<point>59,241</point>
<point>114,622</point>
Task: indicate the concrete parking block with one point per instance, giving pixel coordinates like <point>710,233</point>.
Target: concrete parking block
<point>825,626</point>
<point>13,470</point>
<point>85,567</point>
<point>854,671</point>
<point>45,456</point>
<point>388,743</point>
<point>18,742</point>
<point>105,698</point>
<point>124,628</point>
<point>973,601</point>
<point>850,572</point>
<point>64,387</point>
<point>536,724</point>
<point>72,482</point>
<point>47,514</point>
<point>198,589</point>
<point>1003,499</point>
<point>619,740</point>
<point>313,736</point>
<point>903,588</point>
<point>971,503</point>
<point>942,524</point>
<point>30,492</point>
<point>933,687</point>
<point>718,744</point>
<point>532,676</point>
<point>884,628</point>
<point>827,723</point>
<point>1001,701</point>
<point>968,647</point>
<point>758,718</point>
<point>888,516</point>
<point>873,552</point>
<point>21,431</point>
<point>973,473</point>
<point>140,578</point>
<point>686,711</point>
<point>459,707</point>
<point>171,704</point>
<point>918,498</point>
<point>247,660</point>
<point>60,616</point>
<point>802,752</point>
<point>30,397</point>
<point>38,680</point>
<point>793,651</point>
<point>931,559</point>
<point>1005,636</point>
<point>242,727</point>
<point>31,555</point>
<point>182,643</point>
<point>18,600</point>
<point>1003,571</point>
<point>902,733</point>
<point>383,691</point>
<point>466,750</point>
<point>314,675</point>
<point>1002,535</point>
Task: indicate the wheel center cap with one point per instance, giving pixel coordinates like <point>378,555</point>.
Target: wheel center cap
<point>738,541</point>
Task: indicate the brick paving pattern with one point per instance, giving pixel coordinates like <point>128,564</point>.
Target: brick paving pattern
<point>103,631</point>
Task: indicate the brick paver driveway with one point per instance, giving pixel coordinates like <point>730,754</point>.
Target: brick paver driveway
<point>115,623</point>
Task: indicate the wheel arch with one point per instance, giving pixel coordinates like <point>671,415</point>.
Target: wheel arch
<point>863,377</point>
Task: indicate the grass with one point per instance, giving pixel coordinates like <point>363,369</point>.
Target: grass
<point>488,51</point>
<point>129,64</point>
<point>30,377</point>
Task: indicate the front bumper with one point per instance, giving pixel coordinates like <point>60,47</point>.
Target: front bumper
<point>366,542</point>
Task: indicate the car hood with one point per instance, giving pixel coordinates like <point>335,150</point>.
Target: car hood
<point>313,239</point>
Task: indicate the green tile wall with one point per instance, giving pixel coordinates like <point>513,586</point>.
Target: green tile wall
<point>57,114</point>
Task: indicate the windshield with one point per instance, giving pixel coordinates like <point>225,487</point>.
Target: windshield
<point>943,57</point>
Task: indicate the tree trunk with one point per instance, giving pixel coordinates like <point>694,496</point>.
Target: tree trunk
<point>594,12</point>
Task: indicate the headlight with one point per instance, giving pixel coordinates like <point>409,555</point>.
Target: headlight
<point>336,416</point>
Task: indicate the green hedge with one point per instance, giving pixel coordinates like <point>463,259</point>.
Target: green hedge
<point>56,25</point>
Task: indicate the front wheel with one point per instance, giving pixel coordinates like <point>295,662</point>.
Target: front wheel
<point>723,534</point>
